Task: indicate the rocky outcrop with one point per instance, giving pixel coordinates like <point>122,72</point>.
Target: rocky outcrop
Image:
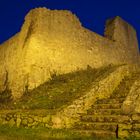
<point>53,42</point>
<point>132,103</point>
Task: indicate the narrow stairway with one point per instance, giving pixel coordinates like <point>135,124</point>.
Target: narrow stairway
<point>105,116</point>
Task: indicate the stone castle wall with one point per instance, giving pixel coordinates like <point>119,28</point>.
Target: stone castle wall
<point>54,42</point>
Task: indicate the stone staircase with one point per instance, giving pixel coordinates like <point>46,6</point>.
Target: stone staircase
<point>102,119</point>
<point>105,118</point>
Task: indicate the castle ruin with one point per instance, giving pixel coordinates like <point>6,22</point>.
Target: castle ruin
<point>54,41</point>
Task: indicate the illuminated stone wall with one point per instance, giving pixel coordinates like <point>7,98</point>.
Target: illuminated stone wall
<point>54,42</point>
<point>131,105</point>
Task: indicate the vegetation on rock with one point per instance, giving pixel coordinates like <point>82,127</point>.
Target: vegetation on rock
<point>60,90</point>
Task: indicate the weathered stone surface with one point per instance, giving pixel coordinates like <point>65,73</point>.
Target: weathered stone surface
<point>24,122</point>
<point>53,41</point>
<point>18,122</point>
<point>136,118</point>
<point>46,119</point>
<point>132,103</point>
<point>30,120</point>
<point>12,122</point>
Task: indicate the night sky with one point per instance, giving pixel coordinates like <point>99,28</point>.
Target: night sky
<point>92,13</point>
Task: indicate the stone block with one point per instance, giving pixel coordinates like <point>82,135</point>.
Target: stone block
<point>12,122</point>
<point>18,122</point>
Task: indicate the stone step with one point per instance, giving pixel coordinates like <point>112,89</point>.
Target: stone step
<point>136,127</point>
<point>107,106</point>
<point>123,95</point>
<point>104,112</point>
<point>136,118</point>
<point>97,133</point>
<point>110,101</point>
<point>106,118</point>
<point>137,134</point>
<point>96,126</point>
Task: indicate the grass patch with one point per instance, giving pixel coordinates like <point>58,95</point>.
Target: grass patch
<point>14,133</point>
<point>60,90</point>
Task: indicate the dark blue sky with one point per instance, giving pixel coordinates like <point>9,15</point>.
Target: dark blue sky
<point>92,13</point>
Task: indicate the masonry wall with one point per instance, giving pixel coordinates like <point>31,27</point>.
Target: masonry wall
<point>54,42</point>
<point>124,34</point>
